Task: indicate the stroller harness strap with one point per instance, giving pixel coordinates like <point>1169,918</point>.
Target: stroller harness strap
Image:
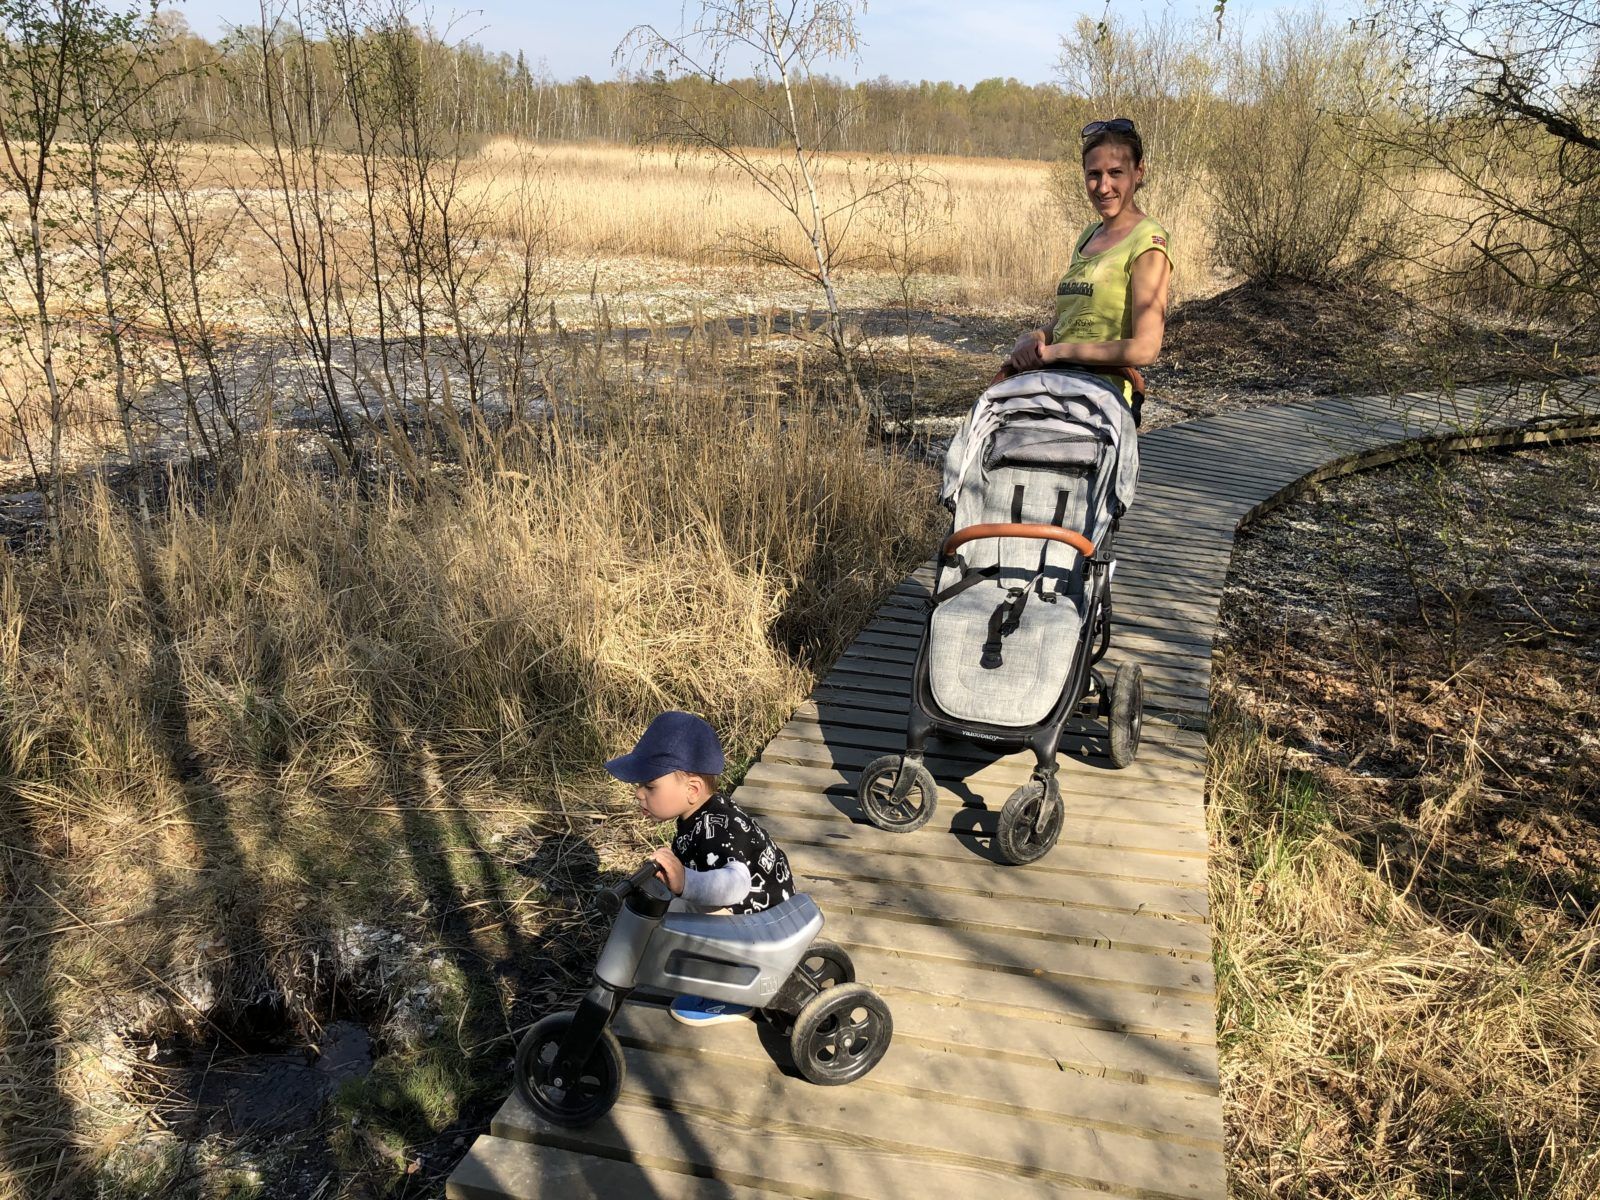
<point>1007,619</point>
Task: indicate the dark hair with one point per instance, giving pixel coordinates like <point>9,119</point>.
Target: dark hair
<point>1116,137</point>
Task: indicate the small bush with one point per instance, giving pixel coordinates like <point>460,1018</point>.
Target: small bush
<point>1296,184</point>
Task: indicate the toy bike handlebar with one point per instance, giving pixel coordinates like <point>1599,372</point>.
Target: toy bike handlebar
<point>612,898</point>
<point>1052,533</point>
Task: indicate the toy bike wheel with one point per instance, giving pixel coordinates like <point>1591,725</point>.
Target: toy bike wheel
<point>1030,823</point>
<point>875,791</point>
<point>1127,713</point>
<point>828,965</point>
<point>571,1102</point>
<point>841,1034</point>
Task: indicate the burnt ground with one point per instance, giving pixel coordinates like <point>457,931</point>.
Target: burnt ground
<point>1426,639</point>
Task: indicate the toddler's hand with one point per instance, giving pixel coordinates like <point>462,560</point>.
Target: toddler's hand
<point>671,868</point>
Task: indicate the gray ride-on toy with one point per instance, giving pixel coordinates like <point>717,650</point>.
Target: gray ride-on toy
<point>569,1065</point>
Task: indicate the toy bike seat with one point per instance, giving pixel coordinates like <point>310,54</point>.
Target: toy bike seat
<point>743,959</point>
<point>795,921</point>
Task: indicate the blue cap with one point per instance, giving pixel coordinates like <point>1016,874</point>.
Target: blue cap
<point>675,741</point>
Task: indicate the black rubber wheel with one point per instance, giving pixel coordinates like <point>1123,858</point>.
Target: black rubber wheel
<point>573,1103</point>
<point>875,791</point>
<point>841,1034</point>
<point>1017,840</point>
<point>1127,713</point>
<point>829,965</point>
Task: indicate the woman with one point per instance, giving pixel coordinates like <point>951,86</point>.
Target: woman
<point>1111,305</point>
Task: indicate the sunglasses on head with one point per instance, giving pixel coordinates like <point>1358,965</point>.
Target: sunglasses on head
<point>1115,125</point>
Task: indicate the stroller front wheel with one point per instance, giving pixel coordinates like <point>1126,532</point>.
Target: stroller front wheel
<point>1030,823</point>
<point>876,790</point>
<point>574,1102</point>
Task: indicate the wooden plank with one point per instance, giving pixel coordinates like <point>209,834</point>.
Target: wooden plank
<point>998,1085</point>
<point>967,877</point>
<point>1176,808</point>
<point>935,1127</point>
<point>890,900</point>
<point>502,1169</point>
<point>850,723</point>
<point>808,744</point>
<point>1108,791</point>
<point>827,827</point>
<point>1092,971</point>
<point>777,1157</point>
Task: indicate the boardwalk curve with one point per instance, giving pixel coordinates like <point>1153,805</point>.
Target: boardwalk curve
<point>1055,1024</point>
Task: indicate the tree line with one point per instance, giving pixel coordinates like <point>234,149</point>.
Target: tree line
<point>491,93</point>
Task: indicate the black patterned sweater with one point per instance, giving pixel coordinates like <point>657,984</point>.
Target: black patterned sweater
<point>719,834</point>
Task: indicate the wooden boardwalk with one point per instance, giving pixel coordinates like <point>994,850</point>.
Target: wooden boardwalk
<point>1055,1026</point>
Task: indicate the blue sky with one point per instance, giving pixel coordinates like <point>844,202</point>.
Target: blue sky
<point>959,40</point>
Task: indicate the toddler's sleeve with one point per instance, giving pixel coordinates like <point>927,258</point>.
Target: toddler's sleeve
<point>721,888</point>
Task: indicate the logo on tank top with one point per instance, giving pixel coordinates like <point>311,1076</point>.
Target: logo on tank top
<point>1074,288</point>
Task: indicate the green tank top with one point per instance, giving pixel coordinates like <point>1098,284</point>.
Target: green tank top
<point>1093,298</point>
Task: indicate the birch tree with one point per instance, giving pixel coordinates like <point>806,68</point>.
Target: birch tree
<point>764,54</point>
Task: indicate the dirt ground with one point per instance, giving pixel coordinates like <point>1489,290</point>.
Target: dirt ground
<point>1427,639</point>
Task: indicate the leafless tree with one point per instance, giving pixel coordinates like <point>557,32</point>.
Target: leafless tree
<point>1503,97</point>
<point>784,41</point>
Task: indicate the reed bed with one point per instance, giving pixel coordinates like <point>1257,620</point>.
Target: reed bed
<point>296,708</point>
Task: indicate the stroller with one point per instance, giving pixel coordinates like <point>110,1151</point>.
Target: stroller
<point>1037,479</point>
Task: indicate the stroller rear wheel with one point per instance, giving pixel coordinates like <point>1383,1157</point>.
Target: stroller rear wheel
<point>1030,823</point>
<point>876,789</point>
<point>1127,713</point>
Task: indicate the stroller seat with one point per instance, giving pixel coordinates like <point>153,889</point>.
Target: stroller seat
<point>1000,648</point>
<point>1019,684</point>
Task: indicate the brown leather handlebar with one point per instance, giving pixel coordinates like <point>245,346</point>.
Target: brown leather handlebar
<point>1051,533</point>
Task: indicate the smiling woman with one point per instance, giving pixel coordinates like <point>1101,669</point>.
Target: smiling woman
<point>1111,305</point>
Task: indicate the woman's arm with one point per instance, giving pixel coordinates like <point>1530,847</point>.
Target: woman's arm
<point>1147,293</point>
<point>1027,354</point>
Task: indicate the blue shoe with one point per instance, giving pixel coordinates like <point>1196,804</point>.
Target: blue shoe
<point>699,1012</point>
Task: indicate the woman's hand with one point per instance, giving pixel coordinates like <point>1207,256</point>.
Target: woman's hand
<point>1028,353</point>
<point>671,869</point>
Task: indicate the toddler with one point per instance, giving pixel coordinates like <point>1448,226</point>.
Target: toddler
<point>720,860</point>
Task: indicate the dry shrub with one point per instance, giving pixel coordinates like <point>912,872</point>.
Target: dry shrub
<point>1368,1050</point>
<point>298,705</point>
<point>1296,186</point>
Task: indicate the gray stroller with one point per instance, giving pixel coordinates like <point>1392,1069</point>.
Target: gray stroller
<point>1037,479</point>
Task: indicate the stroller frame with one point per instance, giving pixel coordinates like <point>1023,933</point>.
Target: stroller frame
<point>1032,817</point>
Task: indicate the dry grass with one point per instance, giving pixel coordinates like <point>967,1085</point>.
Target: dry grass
<point>297,707</point>
<point>998,230</point>
<point>1368,1050</point>
<point>1404,839</point>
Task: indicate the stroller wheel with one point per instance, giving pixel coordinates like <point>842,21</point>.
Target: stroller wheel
<point>875,791</point>
<point>841,1034</point>
<point>574,1102</point>
<point>1127,713</point>
<point>1030,823</point>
